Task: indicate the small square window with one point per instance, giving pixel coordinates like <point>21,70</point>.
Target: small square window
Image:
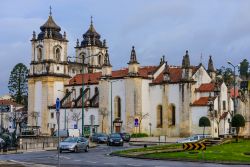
<point>58,68</point>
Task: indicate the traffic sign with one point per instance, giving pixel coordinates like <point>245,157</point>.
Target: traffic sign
<point>75,126</point>
<point>58,104</point>
<point>136,123</point>
<point>194,146</point>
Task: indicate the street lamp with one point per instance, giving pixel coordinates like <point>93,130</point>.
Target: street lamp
<point>83,59</point>
<point>234,66</point>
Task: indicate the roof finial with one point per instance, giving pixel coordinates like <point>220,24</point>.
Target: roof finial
<point>50,10</point>
<point>91,20</point>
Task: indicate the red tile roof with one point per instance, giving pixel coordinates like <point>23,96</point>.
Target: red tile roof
<point>9,102</point>
<point>93,78</point>
<point>202,101</point>
<point>175,74</point>
<point>206,87</point>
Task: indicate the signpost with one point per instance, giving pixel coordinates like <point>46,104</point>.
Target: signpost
<point>58,106</point>
<point>136,123</point>
<point>194,146</point>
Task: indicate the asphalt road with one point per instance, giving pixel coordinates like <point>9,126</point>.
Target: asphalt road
<point>98,156</point>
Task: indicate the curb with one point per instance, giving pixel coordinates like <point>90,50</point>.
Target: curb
<point>182,160</point>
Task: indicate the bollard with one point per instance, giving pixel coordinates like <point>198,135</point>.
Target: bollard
<point>165,138</point>
<point>145,146</point>
<point>43,145</point>
<point>159,139</point>
<point>26,145</point>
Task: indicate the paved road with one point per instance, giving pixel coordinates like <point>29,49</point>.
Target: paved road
<point>98,156</point>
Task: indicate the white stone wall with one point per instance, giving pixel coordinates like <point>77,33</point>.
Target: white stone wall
<point>38,102</point>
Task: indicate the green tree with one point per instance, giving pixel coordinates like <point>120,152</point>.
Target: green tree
<point>237,122</point>
<point>18,88</point>
<point>204,122</point>
<point>243,69</point>
<point>226,75</point>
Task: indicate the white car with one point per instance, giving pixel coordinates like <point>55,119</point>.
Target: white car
<point>193,138</point>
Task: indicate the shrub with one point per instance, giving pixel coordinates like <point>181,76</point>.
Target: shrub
<point>138,135</point>
<point>238,121</point>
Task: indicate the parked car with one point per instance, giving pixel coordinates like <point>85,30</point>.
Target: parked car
<point>99,138</point>
<point>193,138</point>
<point>115,139</point>
<point>74,144</point>
<point>67,133</point>
<point>125,136</point>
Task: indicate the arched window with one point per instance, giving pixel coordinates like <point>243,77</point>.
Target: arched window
<point>172,114</point>
<point>39,54</point>
<point>58,54</point>
<point>99,60</point>
<point>117,105</point>
<point>159,116</point>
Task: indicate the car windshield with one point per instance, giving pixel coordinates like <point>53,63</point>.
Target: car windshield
<point>115,135</point>
<point>71,139</point>
<point>101,135</point>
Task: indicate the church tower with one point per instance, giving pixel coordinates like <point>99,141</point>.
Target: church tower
<point>186,69</point>
<point>91,50</point>
<point>210,69</point>
<point>48,72</point>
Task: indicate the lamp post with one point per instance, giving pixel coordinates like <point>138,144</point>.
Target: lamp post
<point>211,109</point>
<point>83,58</point>
<point>234,66</point>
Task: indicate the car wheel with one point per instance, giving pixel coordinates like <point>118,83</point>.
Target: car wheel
<point>87,149</point>
<point>60,151</point>
<point>121,144</point>
<point>75,149</point>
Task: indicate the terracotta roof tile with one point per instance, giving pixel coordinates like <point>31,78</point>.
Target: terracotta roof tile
<point>9,102</point>
<point>206,87</point>
<point>93,78</point>
<point>175,74</point>
<point>202,101</point>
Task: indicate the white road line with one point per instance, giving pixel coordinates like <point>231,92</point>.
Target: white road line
<point>110,163</point>
<point>133,165</point>
<point>91,162</point>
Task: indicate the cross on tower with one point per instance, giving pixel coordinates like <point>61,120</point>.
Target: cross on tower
<point>50,12</point>
<point>91,19</point>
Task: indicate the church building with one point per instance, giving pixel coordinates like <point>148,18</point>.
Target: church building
<point>161,99</point>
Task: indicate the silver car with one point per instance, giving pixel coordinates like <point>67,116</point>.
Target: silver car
<point>74,144</point>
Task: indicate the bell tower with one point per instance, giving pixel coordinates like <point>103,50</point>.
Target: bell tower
<point>48,72</point>
<point>91,49</point>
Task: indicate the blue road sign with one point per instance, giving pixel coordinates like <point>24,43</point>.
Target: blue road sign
<point>136,123</point>
<point>58,105</point>
<point>75,126</point>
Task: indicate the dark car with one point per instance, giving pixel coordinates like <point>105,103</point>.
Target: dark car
<point>125,136</point>
<point>99,138</point>
<point>115,139</point>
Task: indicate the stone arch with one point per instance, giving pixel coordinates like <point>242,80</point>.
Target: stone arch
<point>100,59</point>
<point>39,54</point>
<point>57,52</point>
<point>159,116</point>
<point>172,115</point>
<point>117,107</point>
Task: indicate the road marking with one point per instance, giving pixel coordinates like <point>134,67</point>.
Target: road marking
<point>133,165</point>
<point>109,163</point>
<point>77,160</point>
<point>64,157</point>
<point>91,162</point>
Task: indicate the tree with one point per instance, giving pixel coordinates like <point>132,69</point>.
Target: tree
<point>76,116</point>
<point>104,113</point>
<point>243,69</point>
<point>226,75</point>
<point>18,88</point>
<point>140,118</point>
<point>204,122</point>
<point>237,122</point>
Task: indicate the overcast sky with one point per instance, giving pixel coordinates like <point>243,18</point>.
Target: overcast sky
<point>156,28</point>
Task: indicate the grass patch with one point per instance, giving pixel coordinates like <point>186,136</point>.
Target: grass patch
<point>228,152</point>
<point>148,149</point>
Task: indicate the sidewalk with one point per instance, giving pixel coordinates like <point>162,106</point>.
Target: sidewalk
<point>161,139</point>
